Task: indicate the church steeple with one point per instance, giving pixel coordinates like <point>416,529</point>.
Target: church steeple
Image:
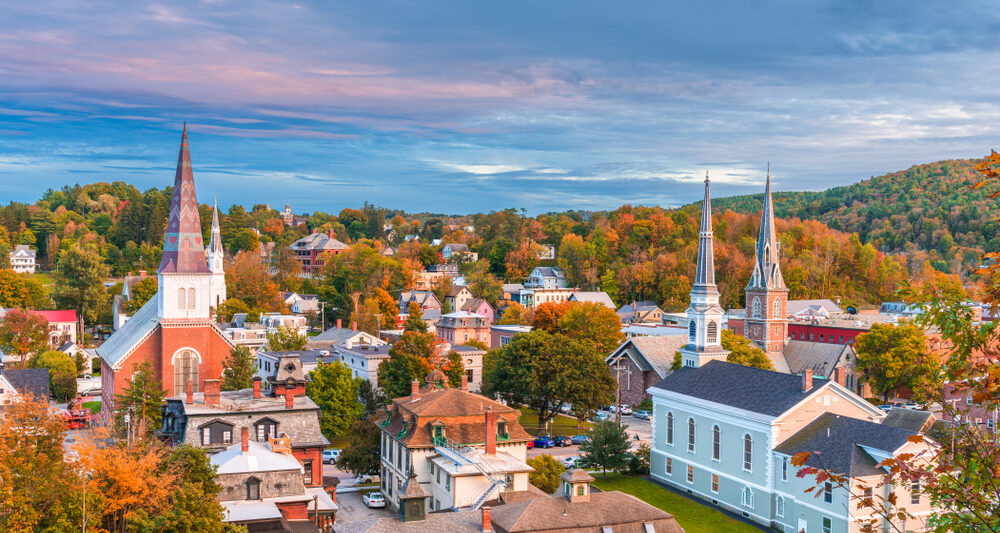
<point>183,250</point>
<point>704,280</point>
<point>216,262</point>
<point>767,268</point>
<point>767,296</point>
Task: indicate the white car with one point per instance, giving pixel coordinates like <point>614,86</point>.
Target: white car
<point>330,456</point>
<point>570,462</point>
<point>373,499</point>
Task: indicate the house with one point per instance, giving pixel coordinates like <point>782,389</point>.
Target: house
<point>63,326</point>
<point>292,219</point>
<point>425,299</point>
<point>364,359</point>
<point>641,362</point>
<point>644,330</point>
<point>640,313</point>
<point>461,327</point>
<point>478,306</point>
<point>501,335</point>
<point>462,448</point>
<point>312,249</point>
<point>22,259</point>
<point>338,335</point>
<point>811,308</point>
<point>457,297</point>
<point>546,278</point>
<point>900,309</point>
<point>251,335</point>
<point>273,321</point>
<point>16,385</point>
<point>265,488</point>
<point>452,252</point>
<point>910,420</point>
<point>530,298</point>
<point>175,331</point>
<point>599,297</point>
<point>967,410</point>
<point>472,360</point>
<point>301,304</point>
<point>822,360</point>
<point>267,361</point>
<point>512,292</point>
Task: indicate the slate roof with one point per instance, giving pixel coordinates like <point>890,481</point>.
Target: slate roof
<point>549,272</point>
<point>121,342</point>
<point>656,351</point>
<point>909,419</point>
<point>615,510</point>
<point>457,247</point>
<point>593,296</point>
<point>421,298</point>
<point>439,522</point>
<point>820,357</point>
<point>24,250</point>
<point>743,387</point>
<point>34,381</point>
<point>512,287</point>
<point>183,249</point>
<point>473,304</point>
<point>839,439</point>
<point>318,241</point>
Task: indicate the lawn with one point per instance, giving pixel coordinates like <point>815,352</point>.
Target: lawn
<point>560,425</point>
<point>95,406</point>
<point>691,515</point>
<point>340,443</point>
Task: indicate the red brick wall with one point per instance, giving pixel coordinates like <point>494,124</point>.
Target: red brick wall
<point>294,510</point>
<point>316,454</point>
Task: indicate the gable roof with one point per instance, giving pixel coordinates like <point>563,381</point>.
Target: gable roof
<point>121,342</point>
<point>655,352</point>
<point>66,315</point>
<point>611,510</point>
<point>909,419</point>
<point>457,247</point>
<point>23,250</point>
<point>599,297</point>
<point>473,304</point>
<point>817,306</point>
<point>820,357</point>
<point>839,441</point>
<point>33,381</point>
<point>548,272</point>
<point>743,387</point>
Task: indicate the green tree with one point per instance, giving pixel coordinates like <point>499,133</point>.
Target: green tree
<point>410,358</point>
<point>742,352</point>
<point>286,340</point>
<point>79,281</point>
<point>140,293</point>
<point>483,284</point>
<point>23,333</point>
<point>362,455</point>
<point>62,373</point>
<point>609,284</point>
<point>414,321</point>
<point>546,473</point>
<point>142,396</point>
<point>239,369</point>
<point>608,446</point>
<point>594,325</point>
<point>335,391</point>
<point>892,356</point>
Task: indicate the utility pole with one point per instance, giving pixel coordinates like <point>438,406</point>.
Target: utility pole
<point>322,315</point>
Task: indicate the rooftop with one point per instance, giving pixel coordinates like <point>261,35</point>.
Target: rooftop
<point>257,458</point>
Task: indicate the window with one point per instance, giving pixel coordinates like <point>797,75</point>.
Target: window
<point>307,471</point>
<point>253,488</point>
<point>181,298</point>
<point>779,506</point>
<point>468,375</point>
<point>690,477</point>
<point>447,483</point>
<point>915,493</point>
<point>670,465</point>
<point>266,428</point>
<point>755,308</point>
<point>828,493</point>
<point>776,308</point>
<point>690,434</point>
<point>227,436</point>
<point>715,483</point>
<point>185,370</point>
<point>841,339</point>
<point>747,497</point>
<point>968,400</point>
<point>206,436</point>
<point>716,444</point>
<point>579,490</point>
<point>747,452</point>
<point>692,330</point>
<point>827,524</point>
<point>713,332</point>
<point>191,299</point>
<point>670,429</point>
<point>821,337</point>
<point>437,476</point>
<point>867,493</point>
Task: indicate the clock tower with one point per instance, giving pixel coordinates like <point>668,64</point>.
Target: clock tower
<point>766,321</point>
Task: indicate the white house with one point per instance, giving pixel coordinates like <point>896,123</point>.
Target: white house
<point>22,259</point>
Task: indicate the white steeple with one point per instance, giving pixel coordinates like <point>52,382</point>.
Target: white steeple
<point>216,261</point>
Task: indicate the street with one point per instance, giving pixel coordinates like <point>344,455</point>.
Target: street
<point>633,426</point>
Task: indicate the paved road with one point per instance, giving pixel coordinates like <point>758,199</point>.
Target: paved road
<point>351,509</point>
<point>634,426</point>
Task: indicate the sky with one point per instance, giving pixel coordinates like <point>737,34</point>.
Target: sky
<point>467,106</point>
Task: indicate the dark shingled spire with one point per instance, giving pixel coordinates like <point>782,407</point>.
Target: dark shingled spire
<point>183,249</point>
<point>704,280</point>
<point>767,271</point>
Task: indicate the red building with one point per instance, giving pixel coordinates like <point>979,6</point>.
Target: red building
<point>311,249</point>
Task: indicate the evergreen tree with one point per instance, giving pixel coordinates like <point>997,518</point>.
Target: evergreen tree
<point>141,397</point>
<point>239,369</point>
<point>608,446</point>
<point>335,391</point>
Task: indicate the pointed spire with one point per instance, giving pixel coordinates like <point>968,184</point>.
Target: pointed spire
<point>215,241</point>
<point>768,248</point>
<point>705,275</point>
<point>183,249</point>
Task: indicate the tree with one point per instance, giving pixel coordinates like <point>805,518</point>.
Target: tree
<point>335,391</point>
<point>23,333</point>
<point>192,505</point>
<point>286,340</point>
<point>62,373</point>
<point>414,321</point>
<point>545,371</point>
<point>22,290</point>
<point>594,325</point>
<point>742,352</point>
<point>239,368</point>
<point>140,293</point>
<point>515,315</point>
<point>79,281</point>
<point>892,356</point>
<point>546,473</point>
<point>230,307</point>
<point>140,400</point>
<point>248,279</point>
<point>362,455</point>
<point>410,358</point>
<point>608,446</point>
<point>483,284</point>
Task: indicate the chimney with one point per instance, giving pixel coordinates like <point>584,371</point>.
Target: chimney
<point>142,273</point>
<point>354,326</point>
<point>807,380</point>
<point>245,438</point>
<point>190,392</point>
<point>465,383</point>
<point>414,390</point>
<point>212,392</point>
<point>487,520</point>
<point>339,321</point>
<point>491,432</point>
<point>289,397</point>
<point>332,234</point>
<point>838,375</point>
<point>256,387</point>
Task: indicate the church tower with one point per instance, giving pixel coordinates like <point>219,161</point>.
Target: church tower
<point>216,257</point>
<point>767,296</point>
<point>184,276</point>
<point>704,313</point>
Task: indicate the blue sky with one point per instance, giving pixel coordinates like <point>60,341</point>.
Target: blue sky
<point>461,107</point>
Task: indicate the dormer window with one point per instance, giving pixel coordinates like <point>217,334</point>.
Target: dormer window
<point>253,488</point>
<point>502,429</point>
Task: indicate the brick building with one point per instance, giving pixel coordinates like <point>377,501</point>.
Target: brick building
<point>311,249</point>
<point>461,327</point>
<point>641,362</point>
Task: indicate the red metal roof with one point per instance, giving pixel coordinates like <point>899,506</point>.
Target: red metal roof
<point>68,315</point>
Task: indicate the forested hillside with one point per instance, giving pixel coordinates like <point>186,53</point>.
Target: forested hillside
<point>929,207</point>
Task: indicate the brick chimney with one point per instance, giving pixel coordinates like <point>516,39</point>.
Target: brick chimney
<point>256,387</point>
<point>807,380</point>
<point>414,390</point>
<point>487,520</point>
<point>838,375</point>
<point>245,439</point>
<point>354,326</point>
<point>465,383</point>
<point>289,398</point>
<point>212,392</point>
<point>339,321</point>
<point>190,392</point>
<point>491,432</point>
<point>331,233</point>
<point>142,273</point>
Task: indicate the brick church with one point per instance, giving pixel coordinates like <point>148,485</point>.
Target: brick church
<point>175,331</point>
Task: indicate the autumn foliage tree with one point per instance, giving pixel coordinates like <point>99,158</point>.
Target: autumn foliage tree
<point>893,356</point>
<point>248,279</point>
<point>23,333</point>
<point>742,352</point>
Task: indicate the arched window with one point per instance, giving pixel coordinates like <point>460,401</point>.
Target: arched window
<point>253,488</point>
<point>181,300</point>
<point>191,299</point>
<point>767,255</point>
<point>692,331</point>
<point>779,507</point>
<point>747,452</point>
<point>185,370</point>
<point>755,308</point>
<point>670,429</point>
<point>579,490</point>
<point>713,332</point>
<point>690,434</point>
<point>776,308</point>
<point>747,497</point>
<point>716,443</point>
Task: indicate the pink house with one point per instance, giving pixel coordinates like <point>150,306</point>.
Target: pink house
<point>478,306</point>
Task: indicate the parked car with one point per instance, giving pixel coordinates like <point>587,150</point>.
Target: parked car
<point>562,441</point>
<point>544,441</point>
<point>330,456</point>
<point>531,444</point>
<point>641,415</point>
<point>571,461</point>
<point>912,405</point>
<point>579,439</point>
<point>373,499</point>
<point>601,417</point>
<point>365,479</point>
<point>885,407</point>
<point>626,410</point>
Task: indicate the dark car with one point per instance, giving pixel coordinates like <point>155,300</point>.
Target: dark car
<point>562,441</point>
<point>579,439</point>
<point>544,442</point>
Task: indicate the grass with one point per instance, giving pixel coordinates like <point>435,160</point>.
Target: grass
<point>560,425</point>
<point>94,406</point>
<point>690,514</point>
<point>340,443</point>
